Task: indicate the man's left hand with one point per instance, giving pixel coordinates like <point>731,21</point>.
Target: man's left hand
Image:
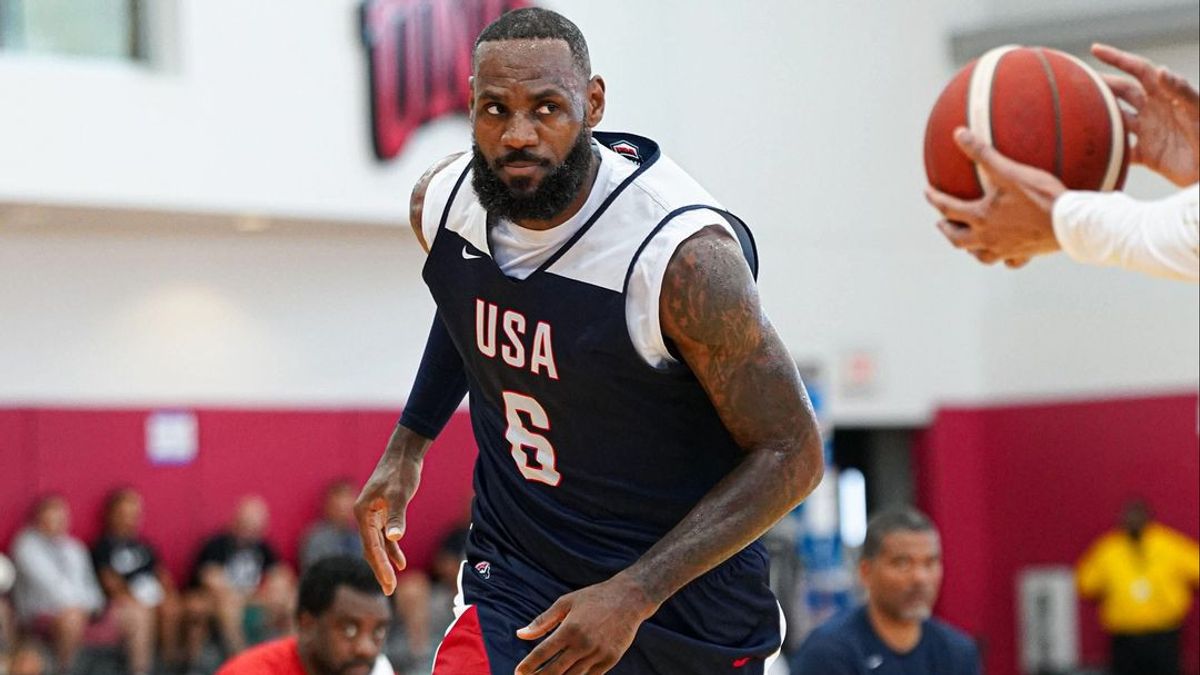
<point>589,629</point>
<point>1012,221</point>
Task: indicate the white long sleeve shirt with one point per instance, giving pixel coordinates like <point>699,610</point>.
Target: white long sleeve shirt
<point>1160,237</point>
<point>53,573</point>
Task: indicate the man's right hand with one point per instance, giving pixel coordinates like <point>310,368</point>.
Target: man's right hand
<point>381,504</point>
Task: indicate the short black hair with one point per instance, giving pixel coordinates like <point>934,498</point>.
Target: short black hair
<point>537,23</point>
<point>320,582</point>
<point>1137,503</point>
<point>114,498</point>
<point>882,524</point>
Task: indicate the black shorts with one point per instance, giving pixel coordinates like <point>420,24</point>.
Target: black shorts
<point>727,621</point>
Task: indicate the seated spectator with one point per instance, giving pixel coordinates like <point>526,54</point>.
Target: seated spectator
<point>25,658</point>
<point>130,571</point>
<point>425,602</point>
<point>240,580</point>
<point>8,626</point>
<point>343,617</point>
<point>57,594</point>
<point>411,600</point>
<point>337,531</point>
<point>893,633</point>
<point>449,557</point>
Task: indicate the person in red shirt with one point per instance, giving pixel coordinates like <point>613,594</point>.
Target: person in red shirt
<point>343,617</point>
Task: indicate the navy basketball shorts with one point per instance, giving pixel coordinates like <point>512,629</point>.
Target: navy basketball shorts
<point>725,622</point>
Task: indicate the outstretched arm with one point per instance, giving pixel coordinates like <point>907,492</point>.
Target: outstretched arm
<point>1028,212</point>
<point>439,388</point>
<point>710,309</point>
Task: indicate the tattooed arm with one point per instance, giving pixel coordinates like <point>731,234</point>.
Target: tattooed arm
<point>710,309</point>
<point>416,203</point>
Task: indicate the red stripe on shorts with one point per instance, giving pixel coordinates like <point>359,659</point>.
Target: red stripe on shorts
<point>462,651</point>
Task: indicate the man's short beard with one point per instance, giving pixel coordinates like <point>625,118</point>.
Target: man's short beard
<point>920,613</point>
<point>553,194</point>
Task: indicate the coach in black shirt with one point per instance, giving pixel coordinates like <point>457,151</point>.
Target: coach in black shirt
<point>893,633</point>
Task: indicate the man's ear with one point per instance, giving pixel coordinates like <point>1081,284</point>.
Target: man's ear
<point>471,97</point>
<point>595,101</point>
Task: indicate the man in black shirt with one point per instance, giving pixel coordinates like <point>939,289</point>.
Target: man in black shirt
<point>241,580</point>
<point>130,571</point>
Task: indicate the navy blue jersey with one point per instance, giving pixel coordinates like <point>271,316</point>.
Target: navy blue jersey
<point>587,454</point>
<point>848,645</point>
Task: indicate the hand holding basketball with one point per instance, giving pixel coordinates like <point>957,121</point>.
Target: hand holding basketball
<point>1165,116</point>
<point>1010,132</point>
<point>1012,221</point>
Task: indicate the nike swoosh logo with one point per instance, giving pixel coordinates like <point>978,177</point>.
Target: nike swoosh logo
<point>467,255</point>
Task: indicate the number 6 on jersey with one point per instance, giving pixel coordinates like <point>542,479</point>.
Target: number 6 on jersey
<point>521,438</point>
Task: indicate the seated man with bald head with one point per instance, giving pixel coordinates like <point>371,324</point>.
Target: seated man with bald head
<point>239,578</point>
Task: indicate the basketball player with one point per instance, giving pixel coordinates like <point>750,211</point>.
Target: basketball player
<point>639,421</point>
<point>1028,212</point>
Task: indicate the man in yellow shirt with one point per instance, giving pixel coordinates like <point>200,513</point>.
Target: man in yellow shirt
<point>1143,576</point>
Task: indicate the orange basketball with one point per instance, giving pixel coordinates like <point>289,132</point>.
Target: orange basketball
<point>1036,105</point>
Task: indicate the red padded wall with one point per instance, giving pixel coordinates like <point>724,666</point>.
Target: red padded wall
<point>287,456</point>
<point>18,455</point>
<point>1016,486</point>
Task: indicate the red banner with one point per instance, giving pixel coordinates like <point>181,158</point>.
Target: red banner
<point>419,58</point>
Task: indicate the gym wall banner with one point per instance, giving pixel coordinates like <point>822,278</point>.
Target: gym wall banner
<point>419,61</point>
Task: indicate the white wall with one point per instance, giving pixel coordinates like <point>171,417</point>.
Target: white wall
<point>212,318</point>
<point>798,118</point>
<point>1022,11</point>
<point>265,111</point>
<point>806,118</point>
<point>1057,328</point>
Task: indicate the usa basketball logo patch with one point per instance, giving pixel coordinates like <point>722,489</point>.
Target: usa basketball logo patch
<point>627,149</point>
<point>484,568</point>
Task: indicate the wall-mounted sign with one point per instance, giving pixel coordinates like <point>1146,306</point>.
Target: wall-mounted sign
<point>172,437</point>
<point>419,61</point>
<point>1049,619</point>
<point>858,373</point>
